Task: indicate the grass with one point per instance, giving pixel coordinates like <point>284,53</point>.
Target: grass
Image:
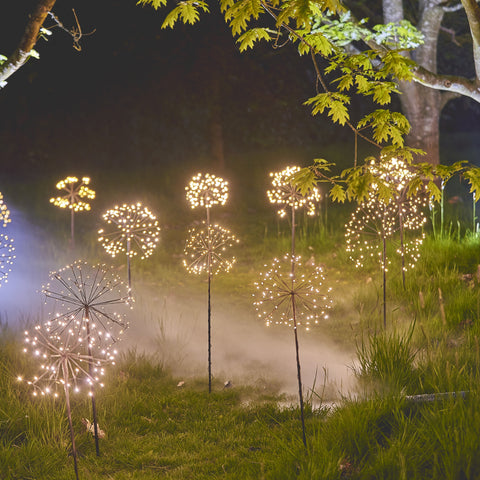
<point>155,429</point>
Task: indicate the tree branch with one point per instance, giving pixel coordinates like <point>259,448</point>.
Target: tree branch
<point>28,40</point>
<point>448,83</point>
<point>453,8</point>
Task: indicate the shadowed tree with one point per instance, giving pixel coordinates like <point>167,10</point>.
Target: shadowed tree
<point>30,36</point>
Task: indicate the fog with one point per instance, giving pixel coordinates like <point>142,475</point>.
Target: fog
<point>244,351</point>
<point>19,297</point>
<point>173,328</point>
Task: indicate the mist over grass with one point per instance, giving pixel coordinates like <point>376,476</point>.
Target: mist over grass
<point>251,429</point>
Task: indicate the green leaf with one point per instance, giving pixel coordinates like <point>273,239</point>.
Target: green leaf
<point>305,179</point>
<point>337,193</point>
<point>386,126</point>
<point>154,3</point>
<point>248,39</point>
<point>345,82</point>
<point>335,103</point>
<point>415,185</point>
<point>434,191</point>
<point>186,11</point>
<point>241,13</point>
<point>320,44</point>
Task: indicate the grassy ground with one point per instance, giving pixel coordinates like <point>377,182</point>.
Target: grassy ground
<point>155,429</point>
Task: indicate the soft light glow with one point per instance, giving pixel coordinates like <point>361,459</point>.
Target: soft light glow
<point>65,364</point>
<point>82,298</point>
<point>376,220</point>
<point>76,194</point>
<point>284,193</point>
<point>206,248</point>
<point>4,212</point>
<point>135,231</point>
<point>206,190</point>
<point>278,293</point>
<point>6,257</point>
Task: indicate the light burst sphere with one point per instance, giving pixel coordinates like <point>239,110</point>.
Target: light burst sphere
<point>4,212</point>
<point>82,299</point>
<point>279,294</point>
<point>376,220</point>
<point>206,248</point>
<point>206,191</point>
<point>63,362</point>
<point>77,192</point>
<point>135,230</point>
<point>284,193</point>
<point>6,257</point>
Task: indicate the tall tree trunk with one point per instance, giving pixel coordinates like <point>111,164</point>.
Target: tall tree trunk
<point>421,105</point>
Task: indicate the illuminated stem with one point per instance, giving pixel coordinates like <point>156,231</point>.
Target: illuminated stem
<point>128,268</point>
<point>402,245</point>
<point>94,407</point>
<point>69,414</point>
<point>293,239</point>
<point>384,260</point>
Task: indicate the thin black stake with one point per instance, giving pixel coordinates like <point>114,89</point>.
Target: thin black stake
<point>209,339</point>
<point>128,268</point>
<point>69,414</point>
<point>402,246</point>
<point>297,354</point>
<point>209,271</point>
<point>72,228</point>
<point>94,407</point>
<point>384,282</point>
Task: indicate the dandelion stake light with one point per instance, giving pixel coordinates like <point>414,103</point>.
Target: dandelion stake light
<point>64,367</point>
<point>6,256</point>
<point>206,191</point>
<point>205,247</point>
<point>83,297</point>
<point>209,244</point>
<point>376,221</point>
<point>285,294</point>
<point>6,244</point>
<point>75,198</point>
<point>132,229</point>
<point>4,212</point>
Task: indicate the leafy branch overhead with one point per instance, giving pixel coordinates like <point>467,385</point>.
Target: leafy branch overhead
<point>321,29</point>
<point>325,30</point>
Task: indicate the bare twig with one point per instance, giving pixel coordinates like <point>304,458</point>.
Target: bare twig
<point>75,32</point>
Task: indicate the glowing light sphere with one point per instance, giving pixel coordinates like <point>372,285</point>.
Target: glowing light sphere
<point>279,292</point>
<point>77,192</point>
<point>286,194</point>
<point>207,247</point>
<point>63,363</point>
<point>135,231</point>
<point>82,299</point>
<point>376,220</point>
<point>4,212</point>
<point>6,257</point>
<point>206,191</point>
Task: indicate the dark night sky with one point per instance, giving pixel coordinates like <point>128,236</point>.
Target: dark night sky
<point>140,95</point>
